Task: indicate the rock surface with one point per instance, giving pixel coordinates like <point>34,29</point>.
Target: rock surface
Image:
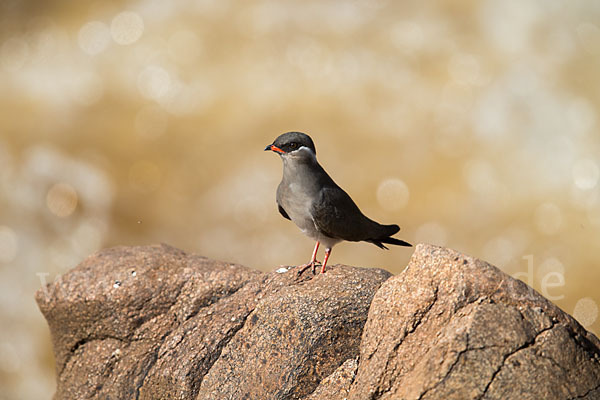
<point>156,323</point>
<point>454,327</point>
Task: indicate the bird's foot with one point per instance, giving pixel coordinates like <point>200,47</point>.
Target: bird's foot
<point>312,264</point>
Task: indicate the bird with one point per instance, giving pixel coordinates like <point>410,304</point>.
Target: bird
<point>323,211</point>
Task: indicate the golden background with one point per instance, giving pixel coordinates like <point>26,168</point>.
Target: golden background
<point>472,124</point>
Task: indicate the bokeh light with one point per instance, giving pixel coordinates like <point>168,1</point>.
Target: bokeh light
<point>154,82</point>
<point>126,28</point>
<point>393,194</point>
<point>586,311</point>
<point>61,200</point>
<point>94,37</point>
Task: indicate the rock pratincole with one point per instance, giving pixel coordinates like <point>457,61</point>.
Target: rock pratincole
<point>317,205</point>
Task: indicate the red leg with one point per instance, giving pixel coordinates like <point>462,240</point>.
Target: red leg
<point>314,256</point>
<point>313,261</point>
<point>327,253</point>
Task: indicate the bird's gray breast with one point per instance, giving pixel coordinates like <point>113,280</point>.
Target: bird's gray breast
<point>296,199</point>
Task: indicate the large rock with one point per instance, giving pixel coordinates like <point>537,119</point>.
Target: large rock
<point>156,323</point>
<point>454,327</point>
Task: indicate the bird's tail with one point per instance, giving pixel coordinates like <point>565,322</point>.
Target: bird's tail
<point>397,242</point>
<point>387,239</point>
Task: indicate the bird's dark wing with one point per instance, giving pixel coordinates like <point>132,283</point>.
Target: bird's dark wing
<point>336,215</point>
<point>282,212</point>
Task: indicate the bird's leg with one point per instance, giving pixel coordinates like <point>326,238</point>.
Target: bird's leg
<point>327,253</point>
<point>313,261</point>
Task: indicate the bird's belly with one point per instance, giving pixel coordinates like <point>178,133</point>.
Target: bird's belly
<point>307,226</point>
<point>297,205</point>
<point>307,229</point>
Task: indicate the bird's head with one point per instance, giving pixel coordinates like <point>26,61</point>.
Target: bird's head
<point>293,145</point>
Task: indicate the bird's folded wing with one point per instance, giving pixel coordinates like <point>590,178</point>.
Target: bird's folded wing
<point>282,212</point>
<point>335,215</point>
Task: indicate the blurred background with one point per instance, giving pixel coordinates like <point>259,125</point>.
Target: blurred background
<point>472,124</point>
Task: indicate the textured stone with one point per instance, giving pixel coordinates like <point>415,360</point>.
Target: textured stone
<point>295,337</point>
<point>112,315</point>
<point>453,327</point>
<point>337,385</point>
<point>156,323</point>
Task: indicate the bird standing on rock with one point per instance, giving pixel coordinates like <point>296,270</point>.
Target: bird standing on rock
<point>317,205</point>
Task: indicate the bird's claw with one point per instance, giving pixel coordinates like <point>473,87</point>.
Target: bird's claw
<point>312,264</point>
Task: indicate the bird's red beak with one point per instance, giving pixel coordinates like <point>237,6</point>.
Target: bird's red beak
<point>274,148</point>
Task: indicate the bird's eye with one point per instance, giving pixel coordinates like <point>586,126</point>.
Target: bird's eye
<point>294,145</point>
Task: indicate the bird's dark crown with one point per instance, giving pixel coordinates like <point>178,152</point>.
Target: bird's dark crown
<point>291,141</point>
